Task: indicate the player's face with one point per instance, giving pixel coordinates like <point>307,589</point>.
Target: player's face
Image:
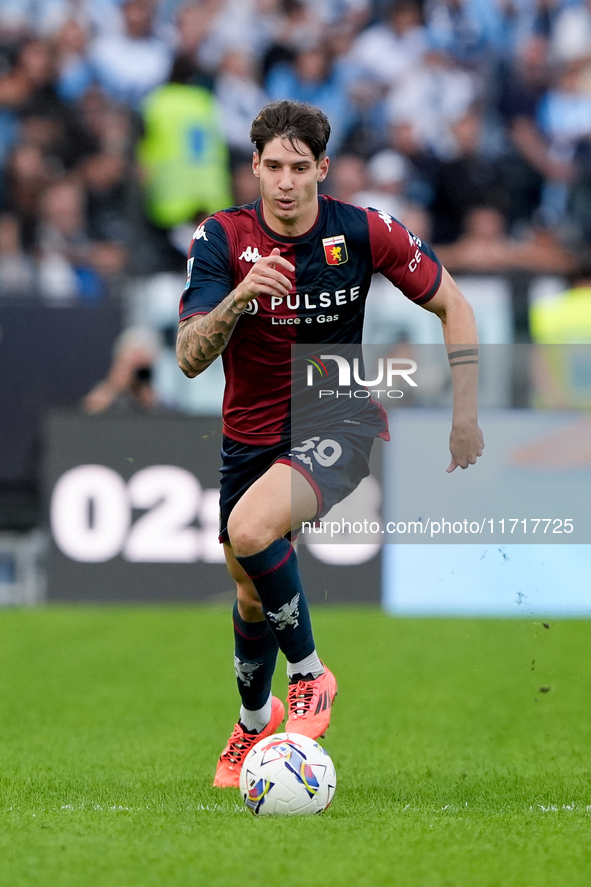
<point>289,177</point>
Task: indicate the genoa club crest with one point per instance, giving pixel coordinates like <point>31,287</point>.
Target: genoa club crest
<point>335,250</point>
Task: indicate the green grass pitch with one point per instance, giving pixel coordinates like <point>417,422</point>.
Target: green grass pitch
<point>462,749</point>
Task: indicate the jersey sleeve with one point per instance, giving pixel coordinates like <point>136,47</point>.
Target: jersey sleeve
<point>403,258</point>
<point>209,274</point>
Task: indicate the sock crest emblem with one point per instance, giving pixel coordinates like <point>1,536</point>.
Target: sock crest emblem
<point>288,614</point>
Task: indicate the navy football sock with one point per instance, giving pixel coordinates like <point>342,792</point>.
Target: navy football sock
<point>275,575</point>
<point>255,655</point>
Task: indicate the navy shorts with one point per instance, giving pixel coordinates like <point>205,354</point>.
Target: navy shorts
<point>334,462</point>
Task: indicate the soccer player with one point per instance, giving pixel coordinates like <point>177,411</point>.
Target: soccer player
<point>295,266</point>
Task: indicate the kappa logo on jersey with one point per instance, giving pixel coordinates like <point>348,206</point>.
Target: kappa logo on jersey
<point>386,219</point>
<point>335,250</point>
<point>189,270</point>
<point>200,233</point>
<point>251,254</point>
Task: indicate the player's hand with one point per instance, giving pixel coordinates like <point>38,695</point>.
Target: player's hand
<point>267,276</point>
<point>466,445</point>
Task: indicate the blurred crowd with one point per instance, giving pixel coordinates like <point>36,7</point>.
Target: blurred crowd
<point>123,122</point>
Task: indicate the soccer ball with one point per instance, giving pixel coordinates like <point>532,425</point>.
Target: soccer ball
<point>287,774</point>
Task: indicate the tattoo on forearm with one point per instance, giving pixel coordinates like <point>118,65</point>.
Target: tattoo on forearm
<point>465,355</point>
<point>202,339</point>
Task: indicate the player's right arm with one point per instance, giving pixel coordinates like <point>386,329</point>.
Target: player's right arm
<point>202,338</point>
<point>203,335</point>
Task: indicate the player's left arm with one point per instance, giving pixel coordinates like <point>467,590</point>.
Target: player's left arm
<point>413,267</point>
<point>461,338</point>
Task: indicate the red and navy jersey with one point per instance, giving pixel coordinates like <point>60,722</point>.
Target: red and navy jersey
<point>334,263</point>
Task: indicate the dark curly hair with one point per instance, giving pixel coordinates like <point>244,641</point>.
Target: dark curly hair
<point>295,121</point>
